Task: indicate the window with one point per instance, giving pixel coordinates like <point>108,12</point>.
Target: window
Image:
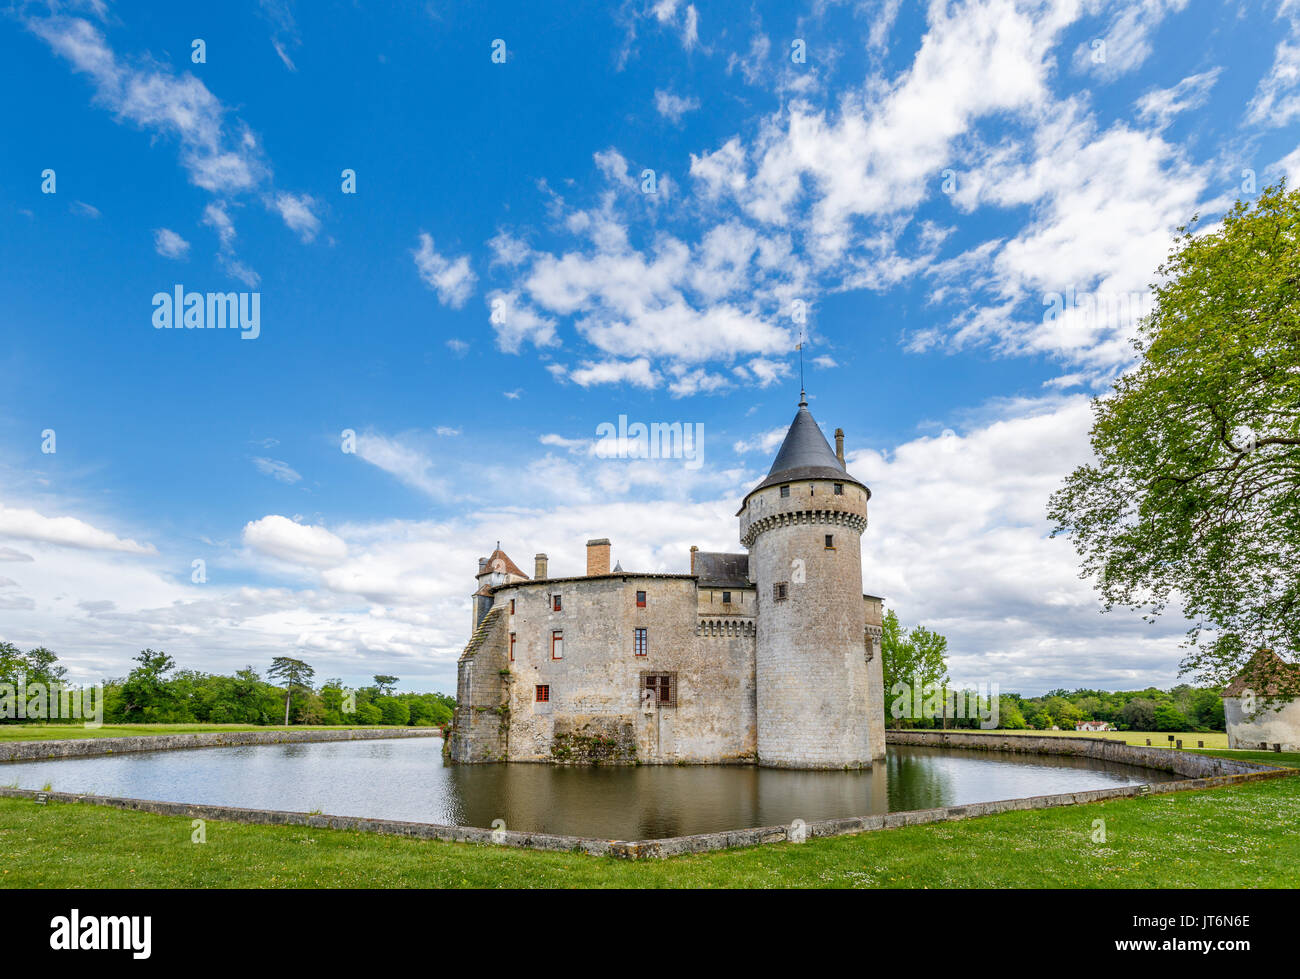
<point>512,647</point>
<point>726,596</point>
<point>659,689</point>
<point>785,491</point>
<point>830,542</point>
<point>639,644</point>
<point>512,606</point>
<point>555,602</point>
<point>839,489</point>
<point>557,644</point>
<point>640,599</point>
<point>780,591</point>
<point>543,693</point>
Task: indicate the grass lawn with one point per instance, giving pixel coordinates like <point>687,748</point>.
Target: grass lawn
<point>1159,739</point>
<point>1238,837</point>
<point>50,732</point>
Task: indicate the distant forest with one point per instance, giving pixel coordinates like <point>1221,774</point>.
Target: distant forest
<point>156,692</point>
<point>1183,708</point>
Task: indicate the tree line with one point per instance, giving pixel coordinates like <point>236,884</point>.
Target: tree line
<point>918,658</point>
<point>156,692</point>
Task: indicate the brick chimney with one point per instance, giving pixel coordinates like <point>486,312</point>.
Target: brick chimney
<point>693,550</point>
<point>539,567</point>
<point>839,445</point>
<point>598,556</point>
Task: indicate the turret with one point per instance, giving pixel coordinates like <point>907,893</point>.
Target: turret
<point>803,526</point>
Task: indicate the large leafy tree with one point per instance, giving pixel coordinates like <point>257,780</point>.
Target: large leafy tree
<point>1194,498</point>
<point>916,658</point>
<point>146,695</point>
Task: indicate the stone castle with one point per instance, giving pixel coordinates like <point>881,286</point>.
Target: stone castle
<point>769,657</point>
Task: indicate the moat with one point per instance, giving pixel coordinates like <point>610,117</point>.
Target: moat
<point>405,779</point>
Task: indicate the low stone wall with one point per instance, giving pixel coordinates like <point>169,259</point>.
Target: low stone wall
<point>90,747</point>
<point>1204,772</point>
<point>1185,763</point>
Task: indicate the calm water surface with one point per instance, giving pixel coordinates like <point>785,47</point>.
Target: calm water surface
<point>405,779</point>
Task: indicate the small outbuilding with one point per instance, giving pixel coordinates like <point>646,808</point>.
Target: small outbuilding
<point>1255,715</point>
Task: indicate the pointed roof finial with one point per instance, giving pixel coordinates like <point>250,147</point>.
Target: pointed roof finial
<point>803,395</point>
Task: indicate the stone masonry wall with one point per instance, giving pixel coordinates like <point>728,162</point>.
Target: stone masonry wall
<point>90,747</point>
<point>595,690</point>
<point>1267,726</point>
<point>814,696</point>
<point>481,721</point>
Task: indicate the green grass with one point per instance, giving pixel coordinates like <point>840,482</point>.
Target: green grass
<point>1238,837</point>
<point>1282,759</point>
<point>51,732</point>
<point>1159,739</point>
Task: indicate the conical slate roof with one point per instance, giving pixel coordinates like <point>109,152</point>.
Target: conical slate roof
<point>805,454</point>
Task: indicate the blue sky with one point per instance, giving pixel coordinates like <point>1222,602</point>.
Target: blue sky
<point>921,184</point>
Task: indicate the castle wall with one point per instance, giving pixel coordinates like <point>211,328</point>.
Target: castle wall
<point>814,689</point>
<point>480,722</point>
<point>595,711</point>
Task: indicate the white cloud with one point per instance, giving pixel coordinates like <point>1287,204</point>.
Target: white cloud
<point>293,543</point>
<point>451,278</point>
<point>169,244</point>
<point>673,107</point>
<point>296,210</point>
<point>1162,104</point>
<point>634,372</point>
<point>1127,39</point>
<point>276,469</point>
<point>220,157</point>
<point>23,524</point>
<point>400,458</point>
<point>765,442</point>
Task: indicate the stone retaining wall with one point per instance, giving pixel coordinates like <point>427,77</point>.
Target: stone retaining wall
<point>1205,773</point>
<point>89,747</point>
<point>1163,759</point>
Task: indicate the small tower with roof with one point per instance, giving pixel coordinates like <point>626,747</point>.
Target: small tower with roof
<point>493,571</point>
<point>803,526</point>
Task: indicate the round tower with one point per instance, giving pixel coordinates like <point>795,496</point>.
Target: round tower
<point>803,526</point>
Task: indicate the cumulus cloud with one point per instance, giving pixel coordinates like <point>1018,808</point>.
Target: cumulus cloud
<point>293,543</point>
<point>451,278</point>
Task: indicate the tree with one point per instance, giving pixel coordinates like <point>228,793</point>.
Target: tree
<point>1170,718</point>
<point>1195,492</point>
<point>145,696</point>
<point>1139,714</point>
<point>1206,710</point>
<point>915,659</point>
<point>385,684</point>
<point>295,674</point>
<point>393,711</point>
